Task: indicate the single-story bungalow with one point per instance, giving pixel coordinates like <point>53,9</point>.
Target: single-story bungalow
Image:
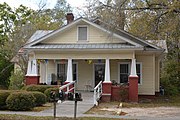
<point>89,52</point>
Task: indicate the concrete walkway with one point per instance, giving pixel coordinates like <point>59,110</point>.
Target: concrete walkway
<point>65,109</point>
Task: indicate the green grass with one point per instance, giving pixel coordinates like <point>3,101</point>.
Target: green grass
<point>43,107</point>
<point>25,117</point>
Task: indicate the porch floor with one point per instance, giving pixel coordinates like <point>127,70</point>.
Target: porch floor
<point>66,109</point>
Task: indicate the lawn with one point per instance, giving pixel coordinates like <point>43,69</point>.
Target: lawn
<point>24,117</point>
<point>43,107</point>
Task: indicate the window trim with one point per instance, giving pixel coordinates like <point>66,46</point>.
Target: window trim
<point>78,33</point>
<point>66,64</point>
<point>129,63</point>
<point>119,63</point>
<point>140,72</point>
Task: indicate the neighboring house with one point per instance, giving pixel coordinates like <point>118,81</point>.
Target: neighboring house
<point>89,52</point>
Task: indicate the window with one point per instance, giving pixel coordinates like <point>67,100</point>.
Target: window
<point>138,71</point>
<point>74,71</point>
<point>62,71</point>
<point>82,33</point>
<point>125,72</point>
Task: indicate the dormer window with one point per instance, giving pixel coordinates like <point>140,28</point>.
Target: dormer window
<point>82,33</point>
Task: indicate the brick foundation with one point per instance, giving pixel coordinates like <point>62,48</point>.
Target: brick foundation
<point>147,96</point>
<point>106,92</point>
<point>32,80</point>
<point>120,93</point>
<point>133,89</point>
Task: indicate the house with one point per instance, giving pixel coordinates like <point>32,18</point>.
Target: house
<point>89,52</point>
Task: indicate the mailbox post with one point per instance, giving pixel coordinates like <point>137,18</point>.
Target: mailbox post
<point>55,99</point>
<point>62,96</point>
<point>77,98</point>
<point>75,109</point>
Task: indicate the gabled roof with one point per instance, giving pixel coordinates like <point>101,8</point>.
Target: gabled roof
<point>40,36</point>
<point>127,34</point>
<point>159,43</point>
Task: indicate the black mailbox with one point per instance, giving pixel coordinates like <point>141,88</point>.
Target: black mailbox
<point>78,97</point>
<point>70,96</point>
<point>62,95</point>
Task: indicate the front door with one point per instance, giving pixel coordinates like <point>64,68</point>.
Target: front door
<point>99,71</point>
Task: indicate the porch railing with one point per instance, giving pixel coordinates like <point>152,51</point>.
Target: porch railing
<point>97,93</point>
<point>69,87</point>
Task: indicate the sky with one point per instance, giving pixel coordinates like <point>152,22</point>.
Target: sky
<point>34,3</point>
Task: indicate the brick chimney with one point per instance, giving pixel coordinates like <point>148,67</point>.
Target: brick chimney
<point>69,17</point>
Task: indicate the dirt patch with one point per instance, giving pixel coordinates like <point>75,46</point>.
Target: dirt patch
<point>155,111</point>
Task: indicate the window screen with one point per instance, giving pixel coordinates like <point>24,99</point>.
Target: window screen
<point>82,33</point>
<point>62,71</point>
<point>138,71</point>
<point>124,73</point>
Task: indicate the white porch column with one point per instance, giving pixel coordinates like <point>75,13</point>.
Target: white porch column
<point>133,68</point>
<point>107,72</point>
<point>34,68</point>
<point>69,71</point>
<point>29,68</point>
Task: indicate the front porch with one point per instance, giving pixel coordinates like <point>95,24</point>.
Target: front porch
<point>87,72</point>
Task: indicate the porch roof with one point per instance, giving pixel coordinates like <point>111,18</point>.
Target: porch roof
<point>86,46</point>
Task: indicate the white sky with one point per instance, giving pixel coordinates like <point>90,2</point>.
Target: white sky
<point>34,3</point>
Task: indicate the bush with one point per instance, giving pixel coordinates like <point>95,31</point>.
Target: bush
<point>16,80</point>
<point>48,91</point>
<point>39,88</point>
<point>3,96</point>
<point>169,88</point>
<point>3,87</point>
<point>40,98</point>
<point>170,78</point>
<point>20,101</point>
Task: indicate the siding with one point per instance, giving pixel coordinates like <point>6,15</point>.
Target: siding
<point>50,70</point>
<point>157,73</point>
<point>94,36</point>
<point>86,75</point>
<point>148,75</point>
<point>84,55</point>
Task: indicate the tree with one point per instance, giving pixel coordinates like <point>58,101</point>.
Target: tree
<point>148,19</point>
<point>114,17</point>
<point>9,20</point>
<point>16,27</point>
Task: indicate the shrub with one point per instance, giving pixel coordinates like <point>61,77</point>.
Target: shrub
<point>16,80</point>
<point>39,88</point>
<point>3,96</point>
<point>3,87</point>
<point>170,78</point>
<point>20,101</point>
<point>48,91</point>
<point>40,98</point>
<point>123,94</point>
